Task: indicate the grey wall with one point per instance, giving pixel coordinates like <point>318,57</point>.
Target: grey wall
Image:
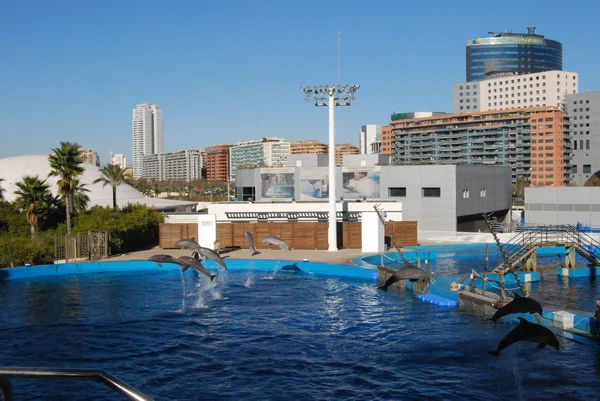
<point>495,180</point>
<point>562,205</point>
<point>436,216</point>
<point>583,110</point>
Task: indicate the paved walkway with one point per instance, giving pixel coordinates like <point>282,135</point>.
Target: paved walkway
<point>342,256</point>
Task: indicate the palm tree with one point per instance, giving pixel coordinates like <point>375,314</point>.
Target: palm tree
<point>33,196</point>
<point>66,163</point>
<point>80,198</point>
<point>112,175</point>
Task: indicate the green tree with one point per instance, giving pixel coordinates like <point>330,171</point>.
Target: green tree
<point>80,196</point>
<point>33,197</point>
<point>114,176</point>
<point>1,189</point>
<point>66,163</point>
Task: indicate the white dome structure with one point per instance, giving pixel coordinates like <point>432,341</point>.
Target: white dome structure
<point>13,169</point>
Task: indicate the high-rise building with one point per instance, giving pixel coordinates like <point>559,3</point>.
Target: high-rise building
<point>370,139</point>
<point>183,165</point>
<point>533,141</point>
<point>342,149</point>
<point>147,134</point>
<point>515,91</point>
<point>310,146</point>
<point>217,163</point>
<point>386,140</point>
<point>510,53</point>
<point>268,152</point>
<point>583,110</point>
<point>91,157</point>
<point>119,159</point>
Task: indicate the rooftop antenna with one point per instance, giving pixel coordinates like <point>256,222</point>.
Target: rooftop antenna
<point>339,51</point>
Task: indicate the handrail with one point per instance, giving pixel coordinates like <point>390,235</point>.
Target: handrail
<point>101,376</point>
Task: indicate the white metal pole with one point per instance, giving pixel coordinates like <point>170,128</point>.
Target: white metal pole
<point>228,193</point>
<point>332,167</point>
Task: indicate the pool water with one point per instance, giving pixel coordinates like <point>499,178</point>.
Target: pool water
<point>258,336</point>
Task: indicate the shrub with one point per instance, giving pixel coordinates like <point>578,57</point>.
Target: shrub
<point>36,250</point>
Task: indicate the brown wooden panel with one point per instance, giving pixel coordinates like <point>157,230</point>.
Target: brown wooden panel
<point>352,235</point>
<point>304,236</point>
<point>225,234</point>
<point>322,236</point>
<point>239,234</point>
<point>285,231</point>
<point>262,231</point>
<point>169,234</point>
<point>405,232</point>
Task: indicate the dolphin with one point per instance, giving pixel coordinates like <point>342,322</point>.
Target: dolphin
<point>190,262</point>
<point>200,250</point>
<point>159,259</point>
<point>292,268</point>
<point>527,331</point>
<point>277,242</point>
<point>250,239</point>
<point>518,305</point>
<point>407,272</point>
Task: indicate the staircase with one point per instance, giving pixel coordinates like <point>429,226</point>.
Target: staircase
<point>527,241</point>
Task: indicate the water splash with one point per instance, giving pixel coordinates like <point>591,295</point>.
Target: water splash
<point>182,291</point>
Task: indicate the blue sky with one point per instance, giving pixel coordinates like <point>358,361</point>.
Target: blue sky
<point>227,71</point>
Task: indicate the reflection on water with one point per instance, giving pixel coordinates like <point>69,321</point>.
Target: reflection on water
<point>292,337</point>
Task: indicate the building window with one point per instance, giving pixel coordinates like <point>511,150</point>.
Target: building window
<point>482,192</point>
<point>432,192</point>
<point>587,144</point>
<point>465,193</point>
<point>587,168</point>
<point>397,192</point>
<point>574,169</point>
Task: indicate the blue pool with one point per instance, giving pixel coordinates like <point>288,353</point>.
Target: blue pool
<point>257,336</point>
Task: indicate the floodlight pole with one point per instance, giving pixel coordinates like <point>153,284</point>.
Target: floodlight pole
<point>337,95</point>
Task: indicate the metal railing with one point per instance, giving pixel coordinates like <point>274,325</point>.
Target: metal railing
<point>100,376</point>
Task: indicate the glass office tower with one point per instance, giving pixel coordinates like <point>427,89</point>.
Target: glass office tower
<point>510,53</point>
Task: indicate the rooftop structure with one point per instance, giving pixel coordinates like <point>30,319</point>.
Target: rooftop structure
<point>342,149</point>
<point>311,146</point>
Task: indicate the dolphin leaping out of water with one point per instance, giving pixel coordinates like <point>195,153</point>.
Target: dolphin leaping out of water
<point>195,264</point>
<point>518,305</point>
<point>250,239</point>
<point>527,331</point>
<point>277,242</point>
<point>292,268</point>
<point>159,259</point>
<point>407,272</point>
<point>200,250</point>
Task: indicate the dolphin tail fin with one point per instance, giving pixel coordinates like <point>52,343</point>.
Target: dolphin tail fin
<point>159,264</point>
<point>383,287</point>
<point>255,253</point>
<point>495,353</point>
<point>183,269</point>
<point>212,277</point>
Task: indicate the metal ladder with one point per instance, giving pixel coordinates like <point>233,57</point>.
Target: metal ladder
<point>381,215</point>
<point>101,376</point>
<point>506,261</point>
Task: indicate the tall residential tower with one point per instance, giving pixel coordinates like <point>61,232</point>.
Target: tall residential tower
<point>147,135</point>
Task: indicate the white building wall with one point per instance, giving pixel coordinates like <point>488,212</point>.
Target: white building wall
<point>147,134</point>
<point>548,88</point>
<point>119,159</point>
<point>369,134</point>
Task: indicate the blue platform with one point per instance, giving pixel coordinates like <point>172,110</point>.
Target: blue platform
<point>588,271</point>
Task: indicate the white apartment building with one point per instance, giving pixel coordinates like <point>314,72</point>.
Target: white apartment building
<point>183,165</point>
<point>370,139</point>
<point>147,134</point>
<point>548,88</point>
<point>119,159</point>
<point>267,152</point>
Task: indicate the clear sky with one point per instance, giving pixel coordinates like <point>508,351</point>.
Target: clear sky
<point>226,71</point>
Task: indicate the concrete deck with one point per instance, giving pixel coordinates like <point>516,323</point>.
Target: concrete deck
<point>342,256</point>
